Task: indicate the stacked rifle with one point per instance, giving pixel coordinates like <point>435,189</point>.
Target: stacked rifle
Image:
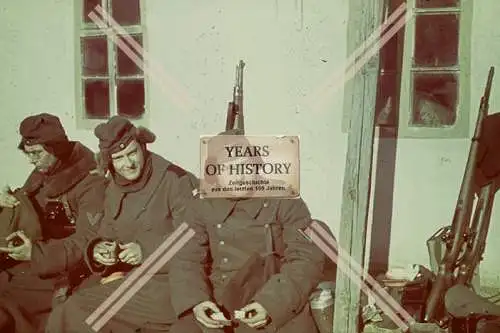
<point>449,297</point>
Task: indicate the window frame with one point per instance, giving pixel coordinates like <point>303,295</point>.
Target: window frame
<point>461,128</point>
<point>90,30</point>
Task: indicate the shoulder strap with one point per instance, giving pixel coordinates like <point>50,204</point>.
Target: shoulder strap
<point>270,248</point>
<point>180,172</point>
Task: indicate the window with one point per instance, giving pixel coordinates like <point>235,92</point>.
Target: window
<point>434,100</point>
<point>110,83</point>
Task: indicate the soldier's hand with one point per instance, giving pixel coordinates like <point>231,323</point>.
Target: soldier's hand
<point>7,200</point>
<point>20,252</point>
<point>210,316</point>
<point>104,253</point>
<point>256,316</point>
<point>131,253</point>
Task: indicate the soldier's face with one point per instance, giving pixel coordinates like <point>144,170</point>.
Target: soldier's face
<point>39,157</point>
<point>129,161</point>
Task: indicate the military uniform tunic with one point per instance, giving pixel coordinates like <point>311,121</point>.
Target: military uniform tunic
<point>227,233</point>
<point>28,294</point>
<point>147,217</point>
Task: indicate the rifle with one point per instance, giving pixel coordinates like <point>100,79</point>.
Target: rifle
<point>461,231</point>
<point>235,120</point>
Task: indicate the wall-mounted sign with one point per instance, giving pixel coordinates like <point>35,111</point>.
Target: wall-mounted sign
<point>237,166</point>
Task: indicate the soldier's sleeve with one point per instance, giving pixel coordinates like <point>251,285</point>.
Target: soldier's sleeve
<point>88,256</point>
<point>179,192</point>
<point>286,293</point>
<point>104,232</point>
<point>188,279</point>
<point>56,256</point>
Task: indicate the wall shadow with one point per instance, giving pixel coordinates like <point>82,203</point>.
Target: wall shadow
<point>387,110</point>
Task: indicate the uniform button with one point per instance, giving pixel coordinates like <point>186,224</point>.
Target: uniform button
<point>223,276</point>
<point>122,145</point>
<point>225,260</point>
<point>266,204</point>
<point>219,226</point>
<point>266,225</point>
<point>221,242</point>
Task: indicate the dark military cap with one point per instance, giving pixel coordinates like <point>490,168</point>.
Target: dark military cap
<point>240,140</point>
<point>118,132</point>
<point>235,131</point>
<point>42,128</point>
<point>215,151</point>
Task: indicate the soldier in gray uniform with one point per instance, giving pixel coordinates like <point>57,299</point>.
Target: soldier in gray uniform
<point>219,279</point>
<point>144,204</point>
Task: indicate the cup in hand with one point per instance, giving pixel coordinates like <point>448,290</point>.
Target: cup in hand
<point>106,253</point>
<point>111,250</point>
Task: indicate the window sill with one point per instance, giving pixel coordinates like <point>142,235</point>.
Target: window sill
<point>90,124</point>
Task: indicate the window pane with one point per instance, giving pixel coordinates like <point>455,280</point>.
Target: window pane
<point>437,3</point>
<point>434,100</point>
<point>95,56</point>
<point>89,6</point>
<point>126,12</point>
<point>130,95</point>
<point>436,40</point>
<point>127,66</point>
<point>96,98</point>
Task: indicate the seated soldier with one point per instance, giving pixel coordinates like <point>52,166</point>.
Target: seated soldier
<point>227,276</point>
<point>143,205</point>
<point>60,196</point>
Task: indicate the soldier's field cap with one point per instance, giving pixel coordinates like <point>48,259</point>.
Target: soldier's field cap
<point>217,144</point>
<point>117,133</point>
<point>239,132</point>
<point>235,131</point>
<point>42,128</point>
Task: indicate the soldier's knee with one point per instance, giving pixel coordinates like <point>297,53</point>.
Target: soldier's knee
<point>61,316</point>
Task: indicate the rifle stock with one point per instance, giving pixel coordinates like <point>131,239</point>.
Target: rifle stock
<point>460,227</point>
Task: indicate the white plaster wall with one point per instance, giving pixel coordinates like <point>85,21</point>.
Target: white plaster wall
<point>197,44</point>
